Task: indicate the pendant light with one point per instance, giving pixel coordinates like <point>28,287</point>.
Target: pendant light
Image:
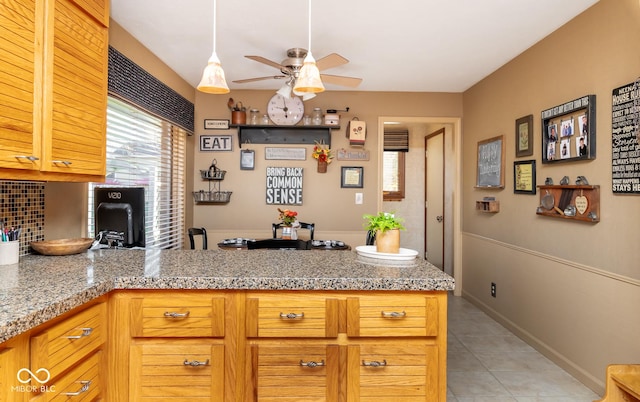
<point>308,80</point>
<point>213,81</point>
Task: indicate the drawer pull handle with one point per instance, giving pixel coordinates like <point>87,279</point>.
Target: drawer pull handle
<point>66,163</point>
<point>195,363</point>
<point>85,332</point>
<point>29,157</point>
<point>394,314</point>
<point>176,315</point>
<point>312,364</point>
<point>291,316</point>
<point>85,388</point>
<point>375,363</point>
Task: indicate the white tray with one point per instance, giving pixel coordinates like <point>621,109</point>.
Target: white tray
<point>403,255</point>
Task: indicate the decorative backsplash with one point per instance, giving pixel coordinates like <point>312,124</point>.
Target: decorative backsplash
<point>22,205</point>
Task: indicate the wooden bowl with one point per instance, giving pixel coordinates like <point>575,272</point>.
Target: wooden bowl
<point>62,246</point>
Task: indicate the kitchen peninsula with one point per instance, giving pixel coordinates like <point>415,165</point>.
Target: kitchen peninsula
<point>351,326</point>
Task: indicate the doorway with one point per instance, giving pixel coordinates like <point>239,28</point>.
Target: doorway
<point>413,206</point>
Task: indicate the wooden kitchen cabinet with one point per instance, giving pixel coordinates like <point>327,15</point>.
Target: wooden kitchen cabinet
<point>54,90</point>
<point>267,346</point>
<point>14,355</point>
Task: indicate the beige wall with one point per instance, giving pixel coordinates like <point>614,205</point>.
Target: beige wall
<point>572,288</point>
<point>325,203</point>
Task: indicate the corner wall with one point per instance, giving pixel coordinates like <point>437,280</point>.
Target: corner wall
<point>571,288</point>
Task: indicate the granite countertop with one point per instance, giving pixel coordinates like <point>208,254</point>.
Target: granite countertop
<point>40,288</point>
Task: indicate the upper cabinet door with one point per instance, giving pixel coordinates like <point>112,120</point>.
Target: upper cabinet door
<point>75,96</point>
<point>20,70</point>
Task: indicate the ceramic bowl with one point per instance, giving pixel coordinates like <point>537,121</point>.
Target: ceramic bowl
<point>62,246</point>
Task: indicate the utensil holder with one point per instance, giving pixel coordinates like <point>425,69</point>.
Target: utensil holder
<point>9,252</point>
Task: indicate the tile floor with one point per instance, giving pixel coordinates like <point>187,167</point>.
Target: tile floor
<point>486,363</point>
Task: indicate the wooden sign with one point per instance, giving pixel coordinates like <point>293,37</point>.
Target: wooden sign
<point>284,186</point>
<point>292,154</point>
<point>353,154</point>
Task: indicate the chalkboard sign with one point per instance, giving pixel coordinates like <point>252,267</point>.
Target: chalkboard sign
<point>491,163</point>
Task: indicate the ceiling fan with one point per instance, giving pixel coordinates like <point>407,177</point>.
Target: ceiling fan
<point>290,68</point>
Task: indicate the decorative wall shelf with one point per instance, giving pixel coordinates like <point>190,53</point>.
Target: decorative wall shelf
<point>213,195</point>
<point>585,198</point>
<point>265,134</point>
<point>488,206</point>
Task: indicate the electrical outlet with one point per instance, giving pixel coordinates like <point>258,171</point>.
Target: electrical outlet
<point>493,289</point>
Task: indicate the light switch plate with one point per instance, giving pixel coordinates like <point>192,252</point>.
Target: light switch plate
<point>358,198</point>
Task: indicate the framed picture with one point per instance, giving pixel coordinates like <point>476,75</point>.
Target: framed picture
<point>569,131</point>
<point>490,173</point>
<point>524,136</point>
<point>524,177</point>
<point>351,177</point>
<point>247,159</point>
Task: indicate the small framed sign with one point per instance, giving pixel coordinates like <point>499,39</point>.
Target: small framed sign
<point>351,177</point>
<point>247,159</point>
<point>216,124</point>
<point>289,154</point>
<point>524,177</point>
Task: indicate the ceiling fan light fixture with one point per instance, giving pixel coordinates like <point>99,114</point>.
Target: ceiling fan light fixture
<point>213,81</point>
<point>309,78</point>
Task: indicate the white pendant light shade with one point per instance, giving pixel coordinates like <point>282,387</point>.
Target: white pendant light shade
<point>213,81</point>
<point>309,78</point>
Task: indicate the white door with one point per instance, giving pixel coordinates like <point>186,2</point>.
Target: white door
<point>434,195</point>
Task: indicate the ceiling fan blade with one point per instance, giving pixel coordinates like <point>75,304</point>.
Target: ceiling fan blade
<point>331,61</point>
<point>268,62</point>
<point>271,77</point>
<point>341,80</point>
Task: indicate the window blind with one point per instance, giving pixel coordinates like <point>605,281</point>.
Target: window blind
<point>145,151</point>
<point>396,140</point>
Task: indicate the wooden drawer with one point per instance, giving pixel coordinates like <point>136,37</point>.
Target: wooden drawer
<point>176,315</point>
<point>291,316</point>
<point>293,373</point>
<point>393,372</point>
<point>392,316</point>
<point>176,371</point>
<point>63,345</point>
<point>82,383</point>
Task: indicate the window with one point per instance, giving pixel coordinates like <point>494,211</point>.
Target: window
<point>143,150</point>
<point>393,175</point>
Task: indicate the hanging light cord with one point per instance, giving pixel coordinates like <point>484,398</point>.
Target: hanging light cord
<point>309,25</point>
<point>214,25</point>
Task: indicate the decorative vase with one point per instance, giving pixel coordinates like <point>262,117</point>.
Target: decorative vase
<point>289,233</point>
<point>238,117</point>
<point>322,166</point>
<point>388,241</point>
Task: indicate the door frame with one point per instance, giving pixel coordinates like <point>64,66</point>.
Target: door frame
<point>456,123</point>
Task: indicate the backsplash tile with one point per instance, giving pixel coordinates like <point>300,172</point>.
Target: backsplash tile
<point>22,204</point>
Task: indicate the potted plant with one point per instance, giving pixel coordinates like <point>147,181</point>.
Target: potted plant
<point>290,223</point>
<point>386,227</point>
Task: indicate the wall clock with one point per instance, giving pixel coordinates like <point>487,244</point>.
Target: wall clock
<point>285,111</point>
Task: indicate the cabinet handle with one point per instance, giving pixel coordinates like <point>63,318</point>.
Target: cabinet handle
<point>393,314</point>
<point>374,363</point>
<point>176,315</point>
<point>291,316</point>
<point>312,364</point>
<point>85,332</point>
<point>29,157</point>
<point>195,363</point>
<point>85,388</point>
<point>66,163</point>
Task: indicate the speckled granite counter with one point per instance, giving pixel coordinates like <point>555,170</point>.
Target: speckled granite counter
<point>41,288</point>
